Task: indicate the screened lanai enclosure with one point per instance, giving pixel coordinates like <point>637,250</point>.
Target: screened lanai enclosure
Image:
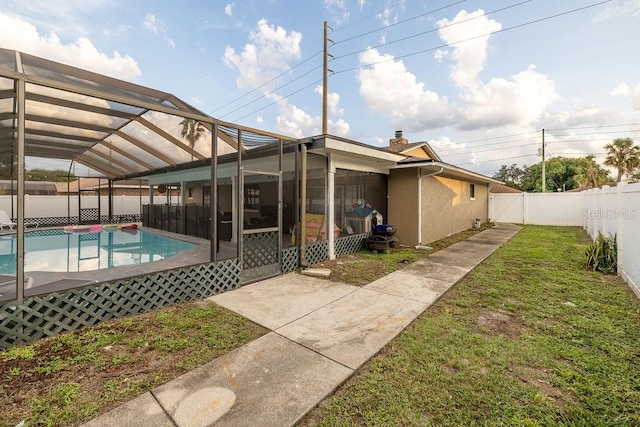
<point>233,192</point>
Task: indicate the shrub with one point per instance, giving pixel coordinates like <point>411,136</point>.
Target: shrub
<point>602,255</point>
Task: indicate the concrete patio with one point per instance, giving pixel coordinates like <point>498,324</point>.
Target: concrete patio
<point>322,332</point>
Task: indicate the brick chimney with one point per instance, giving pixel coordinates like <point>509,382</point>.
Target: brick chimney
<point>398,141</point>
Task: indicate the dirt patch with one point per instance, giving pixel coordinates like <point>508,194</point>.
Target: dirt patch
<point>501,323</point>
<point>540,379</point>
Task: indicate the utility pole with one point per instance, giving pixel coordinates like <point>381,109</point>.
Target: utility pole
<point>325,77</point>
<point>544,175</point>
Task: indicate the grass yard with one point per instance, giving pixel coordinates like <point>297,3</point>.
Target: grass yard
<point>527,338</point>
<point>365,267</point>
<point>73,377</point>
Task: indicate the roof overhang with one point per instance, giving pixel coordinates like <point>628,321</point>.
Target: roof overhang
<point>446,170</point>
<point>347,154</point>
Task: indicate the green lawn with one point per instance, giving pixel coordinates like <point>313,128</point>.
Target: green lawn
<point>73,377</point>
<point>528,338</point>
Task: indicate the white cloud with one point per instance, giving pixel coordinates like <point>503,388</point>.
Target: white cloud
<point>296,122</point>
<point>471,56</point>
<point>621,89</point>
<point>228,9</point>
<point>20,35</point>
<point>259,119</point>
<point>332,101</point>
<point>154,25</point>
<point>338,8</point>
<point>519,100</point>
<point>445,144</point>
<point>439,54</point>
<point>387,17</point>
<point>634,94</point>
<point>580,114</point>
<point>389,88</point>
<point>267,56</point>
<point>635,97</point>
<point>68,18</point>
<point>620,8</point>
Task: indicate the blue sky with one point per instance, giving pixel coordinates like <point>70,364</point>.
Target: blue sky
<point>477,79</point>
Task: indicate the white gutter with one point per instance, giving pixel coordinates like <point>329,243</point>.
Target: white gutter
<point>420,176</point>
<point>448,168</point>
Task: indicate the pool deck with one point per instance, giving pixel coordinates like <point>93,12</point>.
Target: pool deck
<point>42,282</point>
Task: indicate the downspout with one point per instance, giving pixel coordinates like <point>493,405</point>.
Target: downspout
<point>489,210</point>
<point>69,193</point>
<point>303,203</point>
<point>420,176</point>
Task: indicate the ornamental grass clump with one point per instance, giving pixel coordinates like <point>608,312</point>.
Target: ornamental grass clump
<point>602,255</point>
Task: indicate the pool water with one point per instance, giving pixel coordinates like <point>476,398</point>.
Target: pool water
<point>56,250</point>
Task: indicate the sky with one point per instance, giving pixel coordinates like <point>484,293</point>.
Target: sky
<point>477,79</point>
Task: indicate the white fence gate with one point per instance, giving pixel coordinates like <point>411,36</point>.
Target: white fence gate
<point>609,210</point>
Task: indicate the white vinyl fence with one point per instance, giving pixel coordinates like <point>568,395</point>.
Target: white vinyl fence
<point>62,206</point>
<point>609,210</point>
<point>537,208</point>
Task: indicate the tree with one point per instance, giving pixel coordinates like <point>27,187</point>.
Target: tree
<point>592,175</point>
<point>192,131</point>
<point>8,166</point>
<point>511,175</point>
<point>49,175</point>
<point>623,155</point>
<point>564,174</point>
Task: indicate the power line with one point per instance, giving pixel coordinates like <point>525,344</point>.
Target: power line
<point>279,100</point>
<point>266,83</point>
<point>497,160</point>
<point>401,22</point>
<point>318,53</point>
<point>415,53</point>
<point>486,145</point>
<point>593,127</point>
<point>495,137</point>
<point>492,149</point>
<point>311,57</point>
<point>477,37</point>
<point>367,17</point>
<point>430,31</point>
<point>596,133</point>
<point>271,92</point>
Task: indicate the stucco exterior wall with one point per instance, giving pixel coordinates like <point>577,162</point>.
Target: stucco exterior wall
<point>403,204</point>
<point>447,207</point>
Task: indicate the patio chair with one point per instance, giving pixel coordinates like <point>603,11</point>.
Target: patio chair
<point>5,221</point>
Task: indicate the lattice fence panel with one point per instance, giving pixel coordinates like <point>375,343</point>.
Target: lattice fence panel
<point>317,252</point>
<point>54,232</point>
<point>350,244</point>
<point>89,215</point>
<point>260,249</point>
<point>73,220</point>
<point>40,317</point>
<point>290,260</point>
<point>54,221</point>
<point>120,219</point>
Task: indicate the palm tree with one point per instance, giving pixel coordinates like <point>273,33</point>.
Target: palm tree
<point>192,131</point>
<point>590,173</point>
<point>623,155</point>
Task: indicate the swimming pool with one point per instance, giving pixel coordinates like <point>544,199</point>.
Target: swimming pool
<point>56,250</point>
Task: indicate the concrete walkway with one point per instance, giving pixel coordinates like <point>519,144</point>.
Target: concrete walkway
<point>322,332</point>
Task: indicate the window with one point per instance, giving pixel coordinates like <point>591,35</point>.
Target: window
<point>252,196</point>
<point>472,191</point>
